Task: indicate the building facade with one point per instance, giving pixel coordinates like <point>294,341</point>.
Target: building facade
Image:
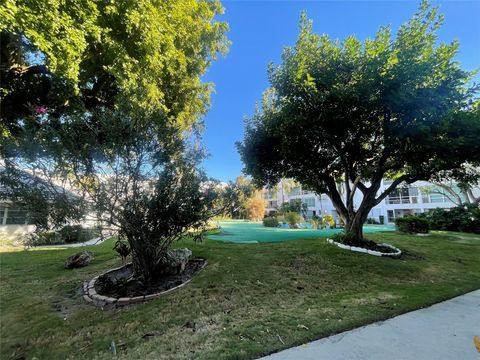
<point>403,201</point>
<point>13,221</point>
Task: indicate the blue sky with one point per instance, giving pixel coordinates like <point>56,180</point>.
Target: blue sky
<point>259,30</point>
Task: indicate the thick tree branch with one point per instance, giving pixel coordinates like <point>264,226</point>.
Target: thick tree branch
<point>362,187</point>
<point>392,187</point>
<point>354,188</point>
<point>452,195</point>
<point>335,197</point>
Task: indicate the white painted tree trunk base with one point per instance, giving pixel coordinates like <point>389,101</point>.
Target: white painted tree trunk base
<point>395,254</point>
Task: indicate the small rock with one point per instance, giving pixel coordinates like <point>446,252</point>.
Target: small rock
<point>174,261</point>
<point>81,259</point>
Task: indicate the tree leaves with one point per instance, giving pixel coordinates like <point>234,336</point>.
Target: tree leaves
<point>361,111</point>
<point>148,53</point>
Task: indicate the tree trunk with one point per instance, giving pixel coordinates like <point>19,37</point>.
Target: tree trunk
<point>354,225</point>
<point>145,261</point>
<point>145,254</point>
<point>354,220</point>
<point>355,228</point>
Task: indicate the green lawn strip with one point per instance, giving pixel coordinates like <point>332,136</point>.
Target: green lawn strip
<point>252,299</point>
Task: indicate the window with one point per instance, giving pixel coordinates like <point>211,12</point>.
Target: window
<point>399,213</point>
<point>2,214</point>
<point>405,195</point>
<point>295,191</point>
<point>270,195</point>
<point>16,217</point>
<point>272,204</point>
<point>310,202</point>
<point>394,197</point>
<point>413,193</point>
<point>435,196</point>
<point>438,198</point>
<point>391,216</point>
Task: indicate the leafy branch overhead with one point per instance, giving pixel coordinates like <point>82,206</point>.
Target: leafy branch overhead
<point>81,55</point>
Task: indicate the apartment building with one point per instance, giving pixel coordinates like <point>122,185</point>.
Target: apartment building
<point>406,200</point>
<point>14,219</point>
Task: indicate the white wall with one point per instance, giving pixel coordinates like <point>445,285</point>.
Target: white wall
<point>15,232</point>
<point>323,204</point>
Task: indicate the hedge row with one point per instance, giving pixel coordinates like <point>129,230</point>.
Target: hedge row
<point>463,218</point>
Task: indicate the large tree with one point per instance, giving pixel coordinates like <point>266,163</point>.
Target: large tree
<point>255,206</point>
<point>358,112</point>
<point>107,98</point>
<point>245,191</point>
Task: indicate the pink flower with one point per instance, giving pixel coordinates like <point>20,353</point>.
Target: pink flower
<point>41,110</point>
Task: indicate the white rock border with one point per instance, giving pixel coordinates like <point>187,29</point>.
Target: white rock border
<point>395,254</point>
<point>92,297</point>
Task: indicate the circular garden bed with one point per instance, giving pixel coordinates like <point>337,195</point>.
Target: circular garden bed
<point>116,287</point>
<point>376,250</point>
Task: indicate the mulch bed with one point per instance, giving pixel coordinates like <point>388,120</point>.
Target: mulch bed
<point>120,283</point>
<point>371,245</point>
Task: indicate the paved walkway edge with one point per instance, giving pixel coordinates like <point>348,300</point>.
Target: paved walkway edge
<point>95,241</point>
<point>442,331</point>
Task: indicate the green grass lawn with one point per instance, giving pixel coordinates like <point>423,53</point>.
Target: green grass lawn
<point>249,301</point>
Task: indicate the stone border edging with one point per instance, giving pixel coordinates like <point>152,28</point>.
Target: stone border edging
<point>397,252</point>
<point>91,296</point>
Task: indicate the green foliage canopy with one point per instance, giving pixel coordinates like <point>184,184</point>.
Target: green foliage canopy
<point>148,54</point>
<point>389,107</point>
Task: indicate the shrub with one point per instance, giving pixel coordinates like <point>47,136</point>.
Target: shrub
<point>70,233</point>
<point>382,219</point>
<point>281,219</point>
<point>49,237</point>
<point>412,225</point>
<point>372,221</point>
<point>461,218</point>
<point>67,235</point>
<point>316,222</point>
<point>270,221</point>
<point>87,234</point>
<point>292,218</point>
<point>42,238</point>
<point>328,220</point>
<point>348,238</point>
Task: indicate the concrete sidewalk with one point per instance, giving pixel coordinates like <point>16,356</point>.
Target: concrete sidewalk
<point>443,331</point>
